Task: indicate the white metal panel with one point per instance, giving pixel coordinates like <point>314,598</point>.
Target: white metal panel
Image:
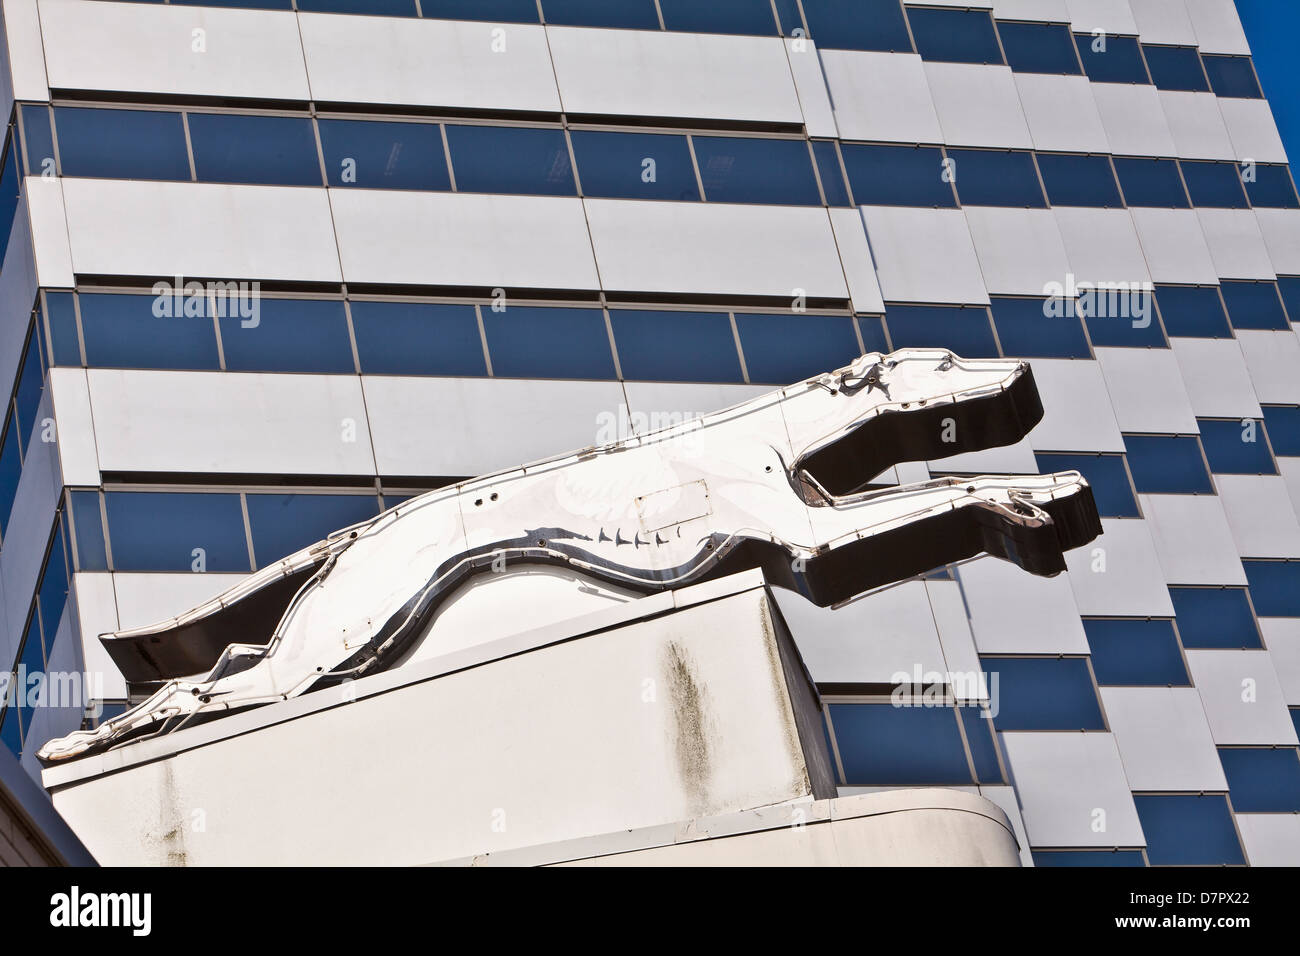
<point>1196,125</point>
<point>1252,129</point>
<point>1043,619</point>
<point>1112,16</point>
<point>1242,697</point>
<point>1260,514</point>
<point>924,255</point>
<point>400,237</point>
<point>28,533</point>
<point>18,287</point>
<point>76,426</point>
<point>1236,245</point>
<point>1272,356</point>
<point>1163,21</point>
<point>1164,738</point>
<point>1054,11</point>
<point>855,257</point>
<point>688,75</point>
<point>1218,30</point>
<point>656,405</point>
<point>1174,246</point>
<point>715,248</point>
<point>881,96</point>
<point>218,422</point>
<point>97,614</point>
<point>1061,113</point>
<point>1270,839</point>
<point>1192,539</point>
<point>874,640</point>
<point>1076,408</point>
<point>22,30</point>
<point>1146,390</point>
<point>810,85</point>
<point>1119,574</point>
<point>1102,244</point>
<point>1218,382</point>
<point>1005,797</point>
<point>46,208</point>
<point>1282,638</point>
<point>1068,783</point>
<point>1290,468</point>
<point>1281,231</point>
<point>482,425</point>
<point>1134,120</point>
<point>1020,250</point>
<point>392,60</point>
<point>136,47</point>
<point>978,105</point>
<point>65,697</point>
<point>146,598</point>
<point>203,230</point>
<point>956,639</point>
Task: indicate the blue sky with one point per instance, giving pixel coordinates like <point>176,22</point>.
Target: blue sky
<point>1273,29</point>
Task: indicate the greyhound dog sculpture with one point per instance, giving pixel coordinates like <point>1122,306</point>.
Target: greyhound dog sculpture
<point>781,482</point>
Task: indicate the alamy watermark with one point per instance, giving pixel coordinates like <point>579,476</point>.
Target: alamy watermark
<point>1099,300</point>
<point>222,299</point>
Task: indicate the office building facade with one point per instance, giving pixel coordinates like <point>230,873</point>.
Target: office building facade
<point>272,266</point>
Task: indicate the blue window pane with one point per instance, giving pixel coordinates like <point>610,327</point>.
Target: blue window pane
<point>884,744</point>
<point>1262,780</point>
<point>676,346</point>
<point>1232,76</point>
<point>373,155</point>
<point>1274,587</point>
<point>872,330</point>
<point>1135,653</point>
<point>897,176</point>
<point>275,150</point>
<point>1025,330</point>
<point>1214,617</point>
<point>121,144</point>
<point>1079,180</point>
<point>53,592</point>
<point>283,524</point>
<point>1107,476</point>
<point>414,338</point>
<point>634,14</point>
<point>11,469</point>
<point>719,16</point>
<point>966,331</point>
<point>1289,287</point>
<point>979,734</point>
<point>756,170</point>
<point>1127,321</point>
<point>1271,187</point>
<point>1151,182</point>
<point>123,331</point>
<point>1039,47</point>
<point>61,317</point>
<point>1175,68</point>
<point>532,342</point>
<point>1088,858</point>
<point>1236,447</point>
<point>1254,305</point>
<point>1167,464</point>
<point>858,24</point>
<point>1283,425</point>
<point>1295,719</point>
<point>828,168</point>
<point>499,159</point>
<point>32,663</point>
<point>382,8</point>
<point>1187,830</point>
<point>10,734</point>
<point>496,11</point>
<point>634,165</point>
<point>38,139</point>
<point>1044,694</point>
<point>155,531</point>
<point>1194,311</point>
<point>1214,184</point>
<point>954,36</point>
<point>240,4</point>
<point>289,335</point>
<point>789,17</point>
<point>1111,59</point>
<point>27,396</point>
<point>10,187</point>
<point>781,349</point>
<point>88,525</point>
<point>988,177</point>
